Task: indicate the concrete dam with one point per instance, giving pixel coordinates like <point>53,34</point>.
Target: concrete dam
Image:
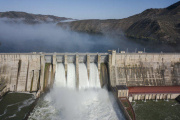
<point>36,71</point>
<point>122,72</point>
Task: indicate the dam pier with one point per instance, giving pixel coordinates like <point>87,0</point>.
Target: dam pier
<point>131,76</point>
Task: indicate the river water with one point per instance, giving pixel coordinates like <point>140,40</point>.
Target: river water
<point>68,104</point>
<point>157,110</point>
<point>14,106</point>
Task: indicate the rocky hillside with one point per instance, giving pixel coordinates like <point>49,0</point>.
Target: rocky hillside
<point>32,18</point>
<point>153,24</point>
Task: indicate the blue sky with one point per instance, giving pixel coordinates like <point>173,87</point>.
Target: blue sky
<point>84,9</point>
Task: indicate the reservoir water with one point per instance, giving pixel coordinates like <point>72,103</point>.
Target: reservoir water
<point>157,110</point>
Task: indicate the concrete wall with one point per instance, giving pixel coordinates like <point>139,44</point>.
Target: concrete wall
<point>123,93</point>
<point>153,96</point>
<point>26,71</point>
<point>104,74</point>
<point>131,69</point>
<point>83,57</point>
<point>147,69</point>
<point>20,72</point>
<point>36,71</point>
<point>48,77</point>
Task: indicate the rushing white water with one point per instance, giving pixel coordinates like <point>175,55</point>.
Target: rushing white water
<point>62,103</point>
<point>94,76</point>
<point>83,77</point>
<point>69,104</point>
<point>60,76</point>
<point>93,81</point>
<point>71,76</point>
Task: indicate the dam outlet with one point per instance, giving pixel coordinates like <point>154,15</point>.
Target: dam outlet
<point>65,101</point>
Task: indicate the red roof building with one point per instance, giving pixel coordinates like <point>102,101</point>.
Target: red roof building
<point>154,89</point>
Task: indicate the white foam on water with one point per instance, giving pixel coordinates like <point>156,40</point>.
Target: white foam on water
<point>4,112</point>
<point>25,103</point>
<point>10,106</point>
<point>69,104</point>
<point>71,76</point>
<point>64,103</point>
<point>83,77</point>
<point>94,76</point>
<point>20,104</point>
<point>12,116</point>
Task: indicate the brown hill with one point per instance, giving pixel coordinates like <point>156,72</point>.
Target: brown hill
<point>152,24</point>
<point>32,18</point>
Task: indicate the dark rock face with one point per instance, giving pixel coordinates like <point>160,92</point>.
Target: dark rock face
<point>152,24</point>
<point>178,98</point>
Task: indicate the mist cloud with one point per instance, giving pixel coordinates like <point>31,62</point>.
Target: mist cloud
<point>16,36</point>
<point>20,37</point>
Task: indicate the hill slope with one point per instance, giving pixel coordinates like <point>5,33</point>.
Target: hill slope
<point>32,18</point>
<point>153,24</point>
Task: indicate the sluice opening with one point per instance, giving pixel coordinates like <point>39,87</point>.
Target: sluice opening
<point>87,100</point>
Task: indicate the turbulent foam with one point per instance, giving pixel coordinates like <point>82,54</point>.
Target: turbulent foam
<point>68,104</point>
<point>63,103</point>
<point>26,103</point>
<point>12,116</point>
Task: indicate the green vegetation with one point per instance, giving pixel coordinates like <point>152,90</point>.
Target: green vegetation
<point>130,113</point>
<point>126,104</point>
<point>142,37</point>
